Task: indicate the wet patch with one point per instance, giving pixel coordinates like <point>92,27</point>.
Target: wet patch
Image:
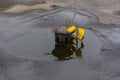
<point>17,24</point>
<point>41,42</point>
<point>60,17</point>
<point>111,43</point>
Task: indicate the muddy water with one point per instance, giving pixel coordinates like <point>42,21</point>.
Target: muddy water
<point>40,43</point>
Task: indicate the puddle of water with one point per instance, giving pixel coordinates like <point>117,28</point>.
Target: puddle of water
<point>78,17</point>
<point>41,42</point>
<point>60,18</point>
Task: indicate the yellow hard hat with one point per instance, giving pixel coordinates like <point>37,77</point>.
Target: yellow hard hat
<point>71,29</point>
<point>81,33</point>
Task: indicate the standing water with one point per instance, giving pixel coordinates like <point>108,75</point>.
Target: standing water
<point>36,45</point>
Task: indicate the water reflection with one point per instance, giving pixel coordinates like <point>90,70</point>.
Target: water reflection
<point>35,45</point>
<point>79,50</point>
<point>65,52</point>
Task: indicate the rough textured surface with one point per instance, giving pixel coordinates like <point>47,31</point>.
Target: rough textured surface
<point>102,66</point>
<point>105,9</point>
<point>5,3</point>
